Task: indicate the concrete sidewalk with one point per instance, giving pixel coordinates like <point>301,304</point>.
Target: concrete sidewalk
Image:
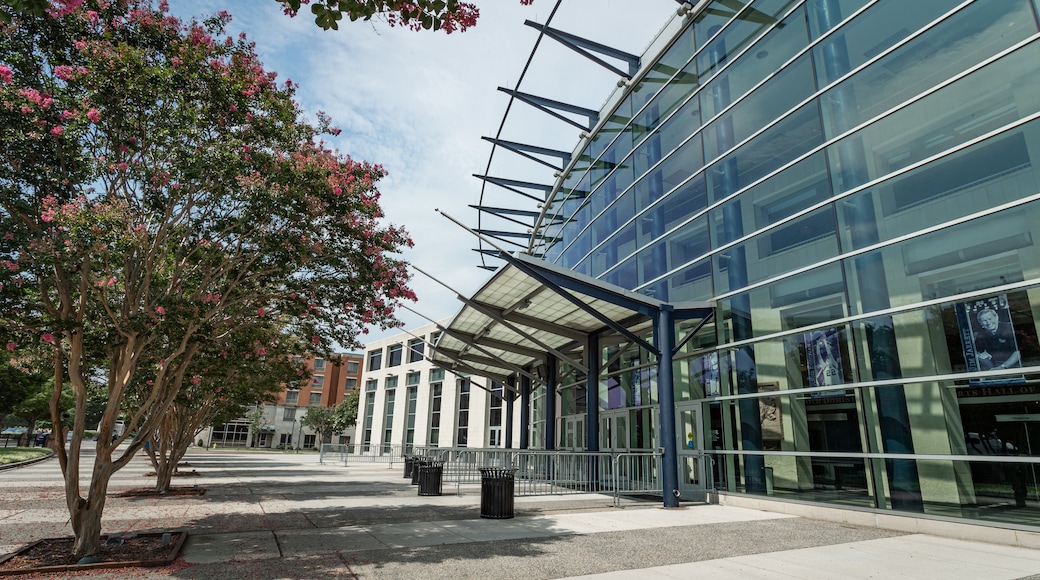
<point>285,516</point>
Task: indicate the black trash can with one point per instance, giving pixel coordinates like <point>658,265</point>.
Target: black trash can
<point>417,462</point>
<point>431,474</point>
<point>496,492</point>
<point>408,461</point>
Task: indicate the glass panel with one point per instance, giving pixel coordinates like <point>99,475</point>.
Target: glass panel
<point>994,332</point>
<point>767,307</point>
<point>822,15</point>
<point>765,58</point>
<point>807,240</point>
<point>620,432</point>
<point>985,252</point>
<point>791,137</point>
<point>740,32</point>
<point>964,39</point>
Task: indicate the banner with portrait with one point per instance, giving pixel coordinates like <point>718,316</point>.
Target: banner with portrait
<point>988,338</point>
<point>823,359</point>
<point>705,371</point>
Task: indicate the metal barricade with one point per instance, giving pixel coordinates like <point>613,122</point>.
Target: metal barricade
<point>357,453</point>
<point>538,472</point>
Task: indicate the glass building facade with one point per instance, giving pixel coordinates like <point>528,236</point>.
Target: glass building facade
<point>851,182</point>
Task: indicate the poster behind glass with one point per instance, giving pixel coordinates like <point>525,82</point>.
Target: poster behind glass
<point>823,360</point>
<point>988,338</point>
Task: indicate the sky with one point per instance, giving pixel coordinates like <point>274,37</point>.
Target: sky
<point>418,103</point>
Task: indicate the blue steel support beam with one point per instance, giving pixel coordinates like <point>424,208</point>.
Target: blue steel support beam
<point>504,241</point>
<point>904,479</point>
<point>514,184</point>
<point>509,412</point>
<point>525,150</point>
<point>505,234</point>
<point>693,332</point>
<point>551,107</point>
<point>586,47</point>
<point>592,393</point>
<point>664,337</point>
<point>504,211</point>
<point>552,368</point>
<point>555,285</point>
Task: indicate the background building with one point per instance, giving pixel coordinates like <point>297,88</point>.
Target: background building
<point>850,184</point>
<point>332,380</point>
<point>407,401</point>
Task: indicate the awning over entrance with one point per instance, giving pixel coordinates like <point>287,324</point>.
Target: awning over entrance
<point>530,309</point>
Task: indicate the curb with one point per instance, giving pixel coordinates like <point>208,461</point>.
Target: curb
<point>28,462</point>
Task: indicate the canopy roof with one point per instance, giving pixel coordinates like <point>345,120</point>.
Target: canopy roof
<point>530,308</point>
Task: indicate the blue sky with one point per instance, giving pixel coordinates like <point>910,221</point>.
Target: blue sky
<point>419,103</point>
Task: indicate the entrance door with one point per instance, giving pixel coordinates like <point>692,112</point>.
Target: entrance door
<point>613,430</point>
<point>573,435</point>
<point>692,460</point>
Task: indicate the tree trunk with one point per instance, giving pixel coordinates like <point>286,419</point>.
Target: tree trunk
<point>86,513</point>
<point>164,474</point>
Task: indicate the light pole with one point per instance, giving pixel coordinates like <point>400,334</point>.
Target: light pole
<point>291,431</point>
<point>299,440</point>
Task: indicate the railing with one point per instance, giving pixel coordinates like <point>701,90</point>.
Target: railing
<point>538,472</point>
<point>358,453</point>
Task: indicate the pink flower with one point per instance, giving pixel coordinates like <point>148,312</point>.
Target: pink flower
<point>63,72</point>
<point>94,115</point>
<point>47,337</point>
<point>10,346</point>
<point>6,74</point>
<point>57,130</point>
<point>260,312</point>
<point>160,310</point>
<point>195,380</point>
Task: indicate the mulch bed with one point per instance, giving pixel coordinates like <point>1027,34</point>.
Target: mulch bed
<point>135,550</point>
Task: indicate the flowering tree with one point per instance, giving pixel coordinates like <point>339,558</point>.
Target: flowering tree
<point>226,376</point>
<point>159,193</point>
<point>446,15</point>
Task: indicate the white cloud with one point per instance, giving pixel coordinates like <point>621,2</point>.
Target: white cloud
<point>418,103</point>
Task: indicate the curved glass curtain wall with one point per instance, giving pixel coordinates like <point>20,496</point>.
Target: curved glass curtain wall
<point>852,181</point>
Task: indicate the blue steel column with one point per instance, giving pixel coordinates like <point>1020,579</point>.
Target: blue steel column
<point>664,340</point>
<point>592,357</point>
<point>525,412</point>
<point>893,416</point>
<point>552,368</point>
<point>507,394</point>
<point>737,277</point>
<point>592,360</point>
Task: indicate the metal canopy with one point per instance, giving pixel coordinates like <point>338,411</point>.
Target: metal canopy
<point>530,308</point>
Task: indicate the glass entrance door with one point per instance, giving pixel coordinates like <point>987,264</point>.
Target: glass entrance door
<point>572,437</point>
<point>613,430</point>
<point>692,459</point>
